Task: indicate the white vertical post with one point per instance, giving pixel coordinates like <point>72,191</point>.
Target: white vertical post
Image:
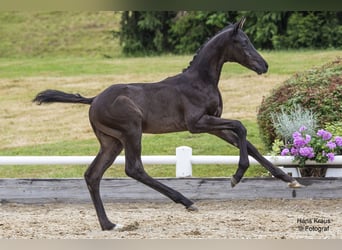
<point>183,162</point>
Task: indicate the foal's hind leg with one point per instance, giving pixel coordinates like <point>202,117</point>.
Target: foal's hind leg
<point>134,168</point>
<point>132,133</point>
<point>277,172</point>
<point>110,149</point>
<point>231,138</point>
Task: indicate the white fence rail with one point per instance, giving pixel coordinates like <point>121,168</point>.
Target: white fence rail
<point>183,160</point>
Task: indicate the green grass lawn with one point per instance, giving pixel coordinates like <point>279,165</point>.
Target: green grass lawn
<point>162,144</point>
<point>60,33</point>
<point>281,63</point>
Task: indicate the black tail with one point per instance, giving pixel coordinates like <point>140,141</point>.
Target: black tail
<point>49,96</point>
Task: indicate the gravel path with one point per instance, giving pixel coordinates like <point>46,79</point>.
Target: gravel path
<point>238,219</point>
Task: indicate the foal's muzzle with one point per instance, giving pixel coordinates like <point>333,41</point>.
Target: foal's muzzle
<point>261,68</point>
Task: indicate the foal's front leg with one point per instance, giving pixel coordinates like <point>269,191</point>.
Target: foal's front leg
<point>212,123</point>
<point>232,138</point>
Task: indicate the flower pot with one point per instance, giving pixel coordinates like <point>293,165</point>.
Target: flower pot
<point>313,171</point>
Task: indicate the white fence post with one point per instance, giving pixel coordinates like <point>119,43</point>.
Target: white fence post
<point>183,161</point>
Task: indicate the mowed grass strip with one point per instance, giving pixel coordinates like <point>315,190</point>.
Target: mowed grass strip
<point>162,144</point>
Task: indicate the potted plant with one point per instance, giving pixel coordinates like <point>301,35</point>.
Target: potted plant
<point>321,148</point>
<point>305,143</point>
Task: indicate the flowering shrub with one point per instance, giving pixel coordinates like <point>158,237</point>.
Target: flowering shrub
<point>321,147</point>
<point>318,89</point>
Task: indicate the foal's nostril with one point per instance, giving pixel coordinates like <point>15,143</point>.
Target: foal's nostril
<point>266,65</point>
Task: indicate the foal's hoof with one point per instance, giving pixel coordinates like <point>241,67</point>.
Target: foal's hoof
<point>192,208</point>
<point>295,184</point>
<point>233,182</point>
<point>118,227</point>
<point>111,226</point>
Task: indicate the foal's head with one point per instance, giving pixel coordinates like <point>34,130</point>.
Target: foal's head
<point>242,51</point>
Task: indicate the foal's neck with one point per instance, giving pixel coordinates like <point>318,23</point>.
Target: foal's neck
<point>209,61</point>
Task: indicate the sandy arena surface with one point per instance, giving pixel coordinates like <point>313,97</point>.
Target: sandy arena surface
<point>242,219</point>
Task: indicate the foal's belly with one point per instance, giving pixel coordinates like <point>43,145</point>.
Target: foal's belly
<point>155,124</point>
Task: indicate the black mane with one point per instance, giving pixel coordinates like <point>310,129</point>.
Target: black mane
<point>204,44</point>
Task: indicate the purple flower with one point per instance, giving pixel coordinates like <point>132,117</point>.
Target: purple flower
<point>331,156</point>
<point>307,152</point>
<point>320,132</point>
<point>302,128</point>
<point>307,139</point>
<point>338,141</point>
<point>324,134</point>
<point>303,146</point>
<point>285,151</point>
<point>296,134</point>
<point>331,145</point>
<point>299,141</point>
<point>294,151</point>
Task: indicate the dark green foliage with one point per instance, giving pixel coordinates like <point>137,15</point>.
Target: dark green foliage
<point>156,32</point>
<point>312,30</point>
<point>265,28</point>
<point>191,29</point>
<point>318,89</point>
<point>145,32</point>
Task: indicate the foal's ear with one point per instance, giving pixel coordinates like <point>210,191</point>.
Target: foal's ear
<point>239,24</point>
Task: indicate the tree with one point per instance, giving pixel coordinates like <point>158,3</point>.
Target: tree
<point>319,29</point>
<point>155,32</point>
<point>191,29</point>
<point>145,32</point>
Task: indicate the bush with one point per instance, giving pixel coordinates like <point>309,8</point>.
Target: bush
<point>318,89</point>
<point>335,128</point>
<point>286,123</point>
